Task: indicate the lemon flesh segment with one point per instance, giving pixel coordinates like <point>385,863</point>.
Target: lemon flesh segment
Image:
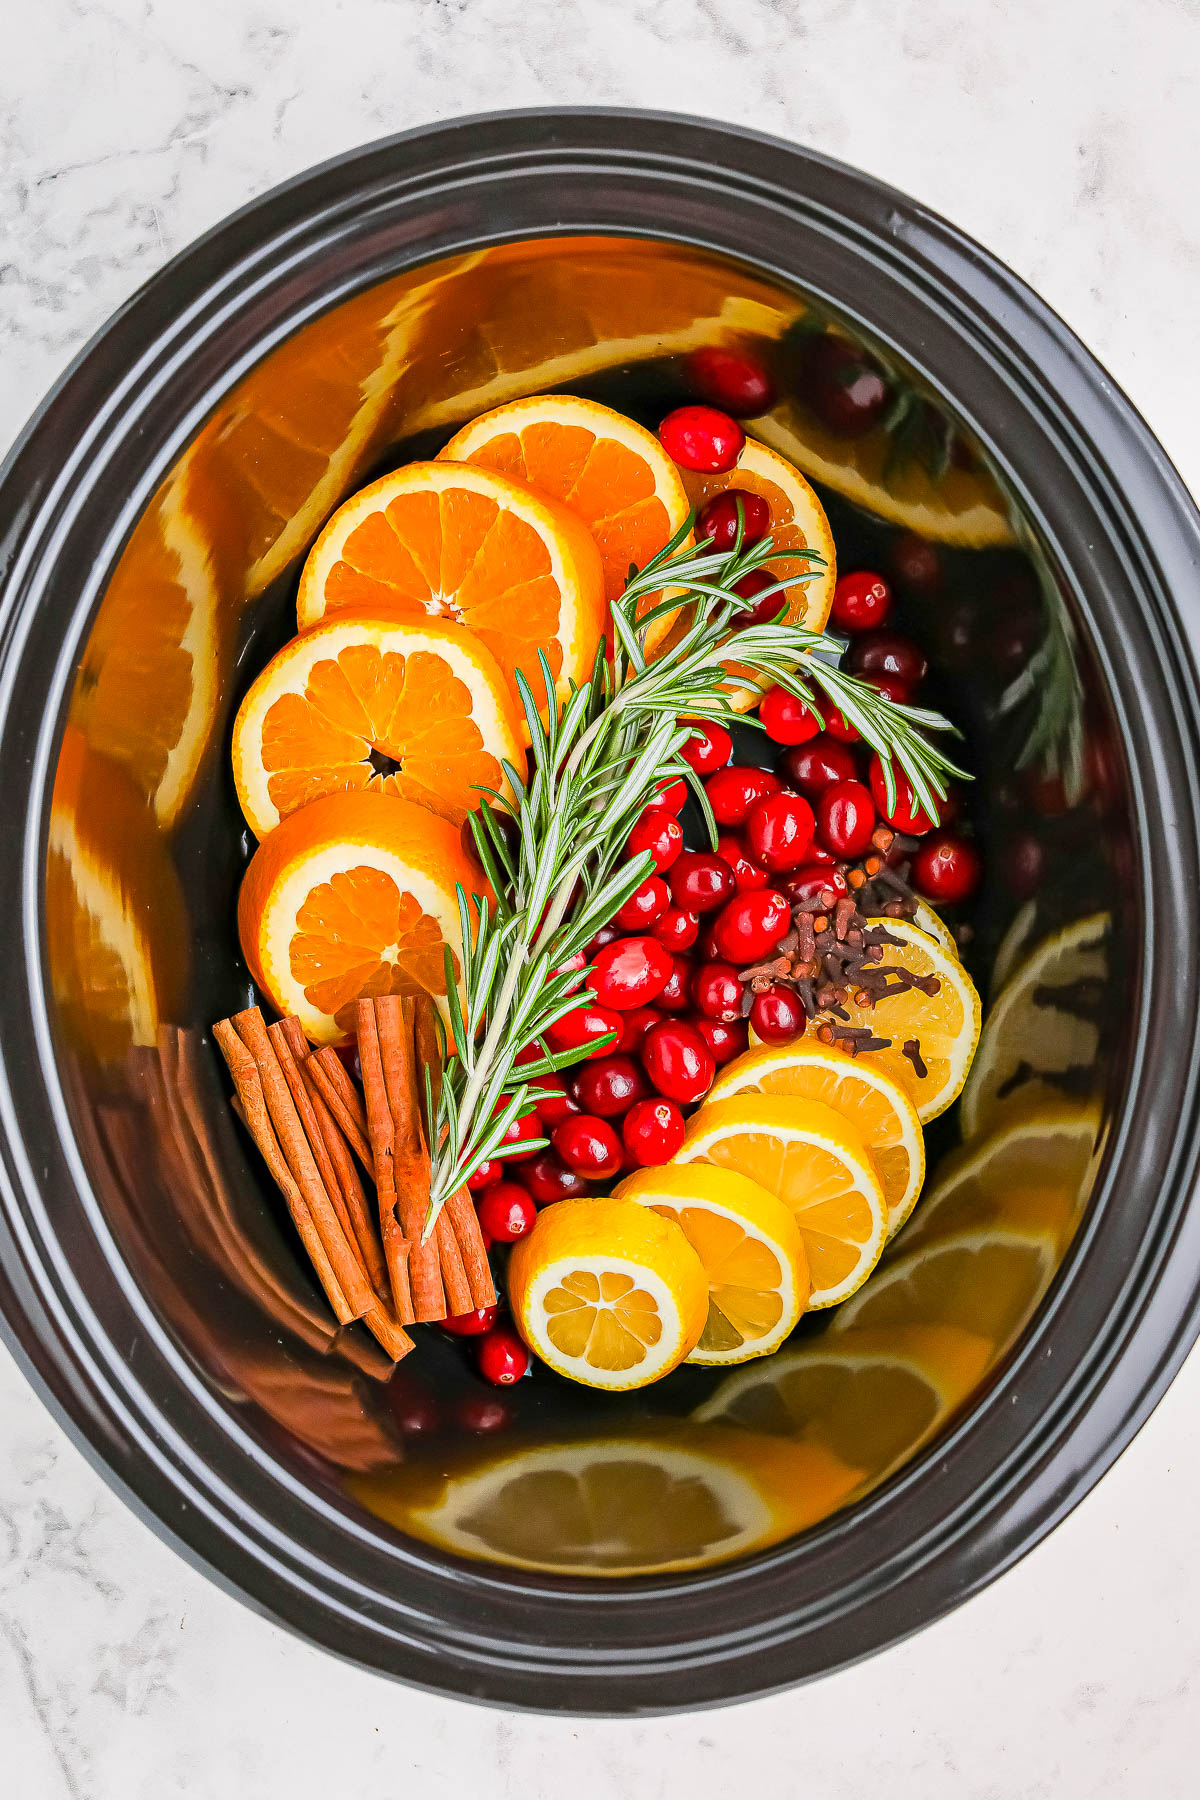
<point>751,1250</point>
<point>870,1100</point>
<point>805,1154</point>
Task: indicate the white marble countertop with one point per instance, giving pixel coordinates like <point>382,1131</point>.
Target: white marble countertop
<point>1066,137</point>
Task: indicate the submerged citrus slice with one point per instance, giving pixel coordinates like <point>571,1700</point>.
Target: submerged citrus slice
<point>613,474</point>
<point>804,1153</point>
<point>751,1249</point>
<point>442,540</point>
<point>370,703</point>
<point>870,1100</point>
<point>351,896</point>
<point>987,1282</point>
<point>945,1024</point>
<point>1043,1024</point>
<point>607,1293</point>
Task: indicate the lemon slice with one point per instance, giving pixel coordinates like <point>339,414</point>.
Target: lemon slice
<point>1035,1174</point>
<point>932,923</point>
<point>1028,1036</point>
<point>751,1249</point>
<point>866,1096</point>
<point>807,1155</point>
<point>1012,945</point>
<point>987,1282</point>
<point>945,1024</point>
<point>608,1293</point>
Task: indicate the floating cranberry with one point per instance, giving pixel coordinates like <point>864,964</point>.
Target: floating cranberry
<point>702,438</point>
<point>758,581</point>
<point>904,813</point>
<point>673,996</point>
<point>916,563</point>
<point>658,833</point>
<point>719,518</point>
<point>677,929</point>
<point>892,688</point>
<point>589,1145</point>
<point>481,1413</point>
<point>635,1024</point>
<point>732,793</point>
<point>502,1357</point>
<point>861,601</point>
<point>733,379</point>
<point>670,796</point>
<point>946,867</point>
<point>777,1015</point>
<point>725,1038</point>
<point>838,726</point>
<point>706,949</point>
<point>889,653</point>
<point>652,1132</point>
<point>843,385</point>
<point>845,818</point>
<point>785,719</point>
<point>779,831</point>
<point>747,874</point>
<point>609,1086</point>
<point>586,1025</point>
<point>484,1176</point>
<point>708,749</point>
<point>812,766</point>
<point>471,1324</point>
<point>717,992</point>
<point>556,1104</point>
<point>548,1179</point>
<point>678,1061</point>
<point>750,927</point>
<point>519,1133</point>
<point>506,1212</point>
<point>607,934</point>
<point>701,881</point>
<point>815,879</point>
<point>645,905</point>
<point>629,973</point>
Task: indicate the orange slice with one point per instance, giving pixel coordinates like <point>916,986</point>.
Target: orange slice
<point>374,704</point>
<point>353,895</point>
<point>612,474</point>
<point>443,540</point>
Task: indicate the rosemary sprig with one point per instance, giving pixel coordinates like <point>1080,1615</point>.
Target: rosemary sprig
<point>554,854</point>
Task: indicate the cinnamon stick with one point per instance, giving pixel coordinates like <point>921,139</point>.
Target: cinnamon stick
<point>461,1212</point>
<point>410,1158</point>
<point>455,1281</point>
<point>346,1108</point>
<point>381,1133</point>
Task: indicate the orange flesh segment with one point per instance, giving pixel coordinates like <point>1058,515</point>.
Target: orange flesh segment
<point>358,935</point>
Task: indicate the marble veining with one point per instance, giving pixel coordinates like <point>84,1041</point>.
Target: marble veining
<point>1066,138</point>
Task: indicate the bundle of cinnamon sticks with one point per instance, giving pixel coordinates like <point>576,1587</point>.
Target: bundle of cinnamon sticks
<point>314,1128</point>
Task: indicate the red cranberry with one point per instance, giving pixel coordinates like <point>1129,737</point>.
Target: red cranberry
<point>645,905</point>
<point>747,874</point>
<point>916,563</point>
<point>521,1131</point>
<point>861,601</point>
<point>481,1413</point>
<point>904,813</point>
<point>589,1146</point>
<point>946,867</point>
<point>838,726</point>
<point>708,749</point>
<point>671,796</point>
<point>635,1024</point>
<point>777,1015</point>
<point>842,384</point>
<point>706,949</point>
<point>845,818</point>
<point>719,518</point>
<point>610,1086</point>
<point>548,1179</point>
<point>889,653</point>
<point>678,1061</point>
<point>557,1105</point>
<point>677,929</point>
<point>732,792</point>
<point>779,831</point>
<point>732,379</point>
<point>725,1038</point>
<point>470,1324</point>
<point>815,879</point>
<point>586,1025</point>
<point>673,997</point>
<point>750,927</point>
<point>503,1358</point>
<point>506,1212</point>
<point>485,1175</point>
<point>757,581</point>
<point>785,719</point>
<point>413,1408</point>
<point>701,438</point>
<point>892,688</point>
<point>812,766</point>
<point>631,973</point>
<point>701,881</point>
<point>607,934</point>
<point>652,1132</point>
<point>717,992</point>
<point>658,833</point>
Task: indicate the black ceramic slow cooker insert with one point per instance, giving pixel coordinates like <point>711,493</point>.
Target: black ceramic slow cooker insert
<point>726,1532</point>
